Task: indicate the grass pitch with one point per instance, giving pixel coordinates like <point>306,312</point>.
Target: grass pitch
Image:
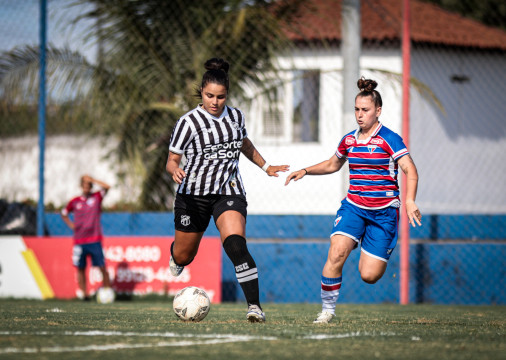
<point>148,329</point>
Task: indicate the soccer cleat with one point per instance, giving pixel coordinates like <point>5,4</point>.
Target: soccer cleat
<point>255,314</point>
<point>324,317</point>
<point>175,269</point>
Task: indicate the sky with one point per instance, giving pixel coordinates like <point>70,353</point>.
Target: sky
<point>20,24</point>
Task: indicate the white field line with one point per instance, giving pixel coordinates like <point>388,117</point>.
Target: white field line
<point>348,335</point>
<point>205,339</point>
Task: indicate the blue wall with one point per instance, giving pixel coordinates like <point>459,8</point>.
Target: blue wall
<point>442,270</point>
<point>447,227</point>
<point>439,273</point>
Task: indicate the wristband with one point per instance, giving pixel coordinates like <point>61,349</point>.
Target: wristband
<point>305,171</point>
<point>266,165</point>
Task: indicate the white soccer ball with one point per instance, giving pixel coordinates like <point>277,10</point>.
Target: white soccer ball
<point>105,295</point>
<point>191,304</point>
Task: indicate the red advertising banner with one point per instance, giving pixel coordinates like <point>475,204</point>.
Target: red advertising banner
<point>136,265</point>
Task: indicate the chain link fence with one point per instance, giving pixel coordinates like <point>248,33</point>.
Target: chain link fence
<point>120,73</point>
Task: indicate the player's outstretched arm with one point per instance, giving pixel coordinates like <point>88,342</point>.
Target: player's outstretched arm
<point>249,150</point>
<point>325,167</point>
<point>409,168</point>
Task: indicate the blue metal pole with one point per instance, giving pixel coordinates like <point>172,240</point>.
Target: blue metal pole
<point>42,115</point>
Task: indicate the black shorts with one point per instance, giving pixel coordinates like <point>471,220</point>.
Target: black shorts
<point>193,213</point>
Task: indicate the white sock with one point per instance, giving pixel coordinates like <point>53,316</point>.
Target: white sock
<point>330,293</point>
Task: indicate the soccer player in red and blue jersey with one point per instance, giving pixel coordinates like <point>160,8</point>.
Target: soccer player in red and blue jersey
<point>86,210</point>
<point>370,212</point>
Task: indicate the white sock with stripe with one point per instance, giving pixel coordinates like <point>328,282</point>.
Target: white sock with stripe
<point>330,293</point>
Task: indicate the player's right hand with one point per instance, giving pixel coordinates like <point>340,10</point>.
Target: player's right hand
<point>296,175</point>
<point>178,175</point>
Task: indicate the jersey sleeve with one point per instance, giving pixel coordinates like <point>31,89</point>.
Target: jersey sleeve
<point>397,146</point>
<point>68,209</point>
<point>181,136</point>
<point>101,194</point>
<point>342,148</point>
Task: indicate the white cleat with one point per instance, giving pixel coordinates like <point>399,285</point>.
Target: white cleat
<point>324,317</point>
<point>175,269</point>
<point>255,314</point>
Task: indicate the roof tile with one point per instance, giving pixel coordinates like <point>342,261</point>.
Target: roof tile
<point>381,20</point>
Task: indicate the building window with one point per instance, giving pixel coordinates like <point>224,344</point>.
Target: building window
<point>273,116</point>
<point>306,104</point>
<point>290,109</point>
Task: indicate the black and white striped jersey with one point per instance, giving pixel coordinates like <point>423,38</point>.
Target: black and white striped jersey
<point>211,147</point>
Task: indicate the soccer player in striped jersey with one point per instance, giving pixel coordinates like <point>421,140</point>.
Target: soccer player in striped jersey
<point>370,212</point>
<point>211,137</point>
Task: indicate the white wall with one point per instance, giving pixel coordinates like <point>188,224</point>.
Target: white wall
<point>317,194</point>
<point>66,159</point>
<point>461,151</point>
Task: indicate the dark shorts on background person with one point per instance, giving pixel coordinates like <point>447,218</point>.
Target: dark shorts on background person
<point>82,251</point>
<point>193,213</point>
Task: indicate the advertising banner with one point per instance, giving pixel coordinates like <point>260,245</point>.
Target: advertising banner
<point>41,267</point>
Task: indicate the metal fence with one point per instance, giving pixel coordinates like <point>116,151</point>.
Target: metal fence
<point>120,73</point>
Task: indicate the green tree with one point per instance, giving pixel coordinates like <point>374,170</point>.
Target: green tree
<point>150,62</point>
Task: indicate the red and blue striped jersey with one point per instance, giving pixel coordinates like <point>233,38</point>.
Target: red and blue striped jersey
<point>87,211</point>
<point>373,167</point>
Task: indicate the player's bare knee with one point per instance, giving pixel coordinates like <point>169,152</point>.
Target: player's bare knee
<point>370,277</point>
<point>183,258</point>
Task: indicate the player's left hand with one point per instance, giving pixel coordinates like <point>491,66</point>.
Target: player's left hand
<point>414,214</point>
<point>273,170</point>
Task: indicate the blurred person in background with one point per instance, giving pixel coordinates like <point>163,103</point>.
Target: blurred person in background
<point>369,214</point>
<point>86,210</point>
<point>211,137</point>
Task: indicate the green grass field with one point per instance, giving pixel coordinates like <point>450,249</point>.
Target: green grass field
<point>148,329</point>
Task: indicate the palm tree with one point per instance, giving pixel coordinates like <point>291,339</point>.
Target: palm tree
<point>150,61</point>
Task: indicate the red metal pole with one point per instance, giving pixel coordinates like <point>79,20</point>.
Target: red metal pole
<point>406,63</point>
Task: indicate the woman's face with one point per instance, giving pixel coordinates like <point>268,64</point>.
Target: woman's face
<point>214,97</point>
<point>87,186</point>
<point>366,113</point>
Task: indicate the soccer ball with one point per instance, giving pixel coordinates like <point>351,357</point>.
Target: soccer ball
<point>105,295</point>
<point>191,304</point>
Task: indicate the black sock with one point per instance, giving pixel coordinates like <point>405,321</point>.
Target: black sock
<point>245,267</point>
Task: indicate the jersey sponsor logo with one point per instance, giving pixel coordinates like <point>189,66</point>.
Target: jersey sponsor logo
<point>376,141</point>
<point>349,140</point>
<point>227,150</point>
<point>185,220</point>
<point>241,267</point>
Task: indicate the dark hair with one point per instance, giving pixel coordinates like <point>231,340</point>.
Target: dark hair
<point>217,73</point>
<point>366,87</point>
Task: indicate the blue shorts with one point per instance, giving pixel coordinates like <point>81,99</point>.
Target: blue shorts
<point>94,250</point>
<point>375,230</point>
